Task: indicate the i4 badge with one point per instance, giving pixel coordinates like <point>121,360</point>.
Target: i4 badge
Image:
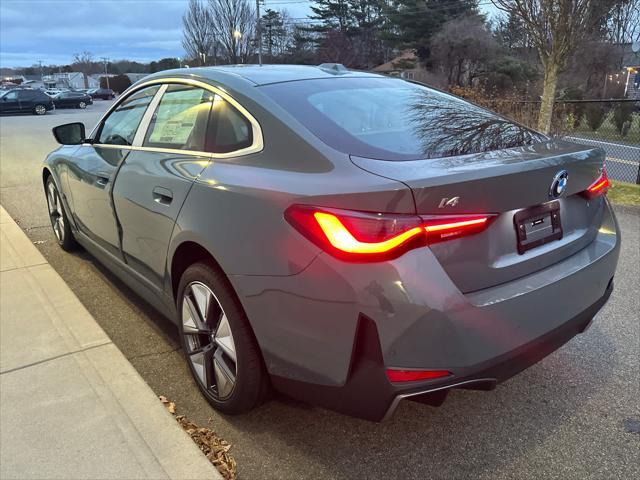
<point>559,184</point>
<point>449,202</point>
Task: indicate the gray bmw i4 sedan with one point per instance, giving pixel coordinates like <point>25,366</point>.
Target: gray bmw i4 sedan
<point>345,238</point>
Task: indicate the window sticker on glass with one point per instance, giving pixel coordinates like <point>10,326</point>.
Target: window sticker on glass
<point>175,123</point>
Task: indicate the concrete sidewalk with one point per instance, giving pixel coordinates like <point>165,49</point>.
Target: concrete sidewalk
<point>71,405</point>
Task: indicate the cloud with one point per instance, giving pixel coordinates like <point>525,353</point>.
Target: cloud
<point>53,31</point>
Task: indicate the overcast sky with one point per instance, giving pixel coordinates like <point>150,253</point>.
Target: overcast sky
<point>54,30</point>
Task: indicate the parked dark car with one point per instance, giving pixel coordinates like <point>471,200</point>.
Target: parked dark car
<point>343,237</point>
<point>103,93</point>
<point>26,101</point>
<point>72,99</point>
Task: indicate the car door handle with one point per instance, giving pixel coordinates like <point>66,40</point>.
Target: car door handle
<point>102,179</point>
<point>162,195</point>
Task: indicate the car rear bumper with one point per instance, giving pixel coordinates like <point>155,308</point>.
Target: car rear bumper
<point>368,394</point>
<point>328,333</point>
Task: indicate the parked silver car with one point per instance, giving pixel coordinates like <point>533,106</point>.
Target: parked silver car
<point>346,238</point>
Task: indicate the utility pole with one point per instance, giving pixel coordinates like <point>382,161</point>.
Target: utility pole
<point>106,74</point>
<point>259,32</point>
<point>41,75</point>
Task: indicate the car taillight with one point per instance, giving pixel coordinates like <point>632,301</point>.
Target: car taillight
<point>364,236</point>
<point>599,187</point>
<point>447,227</point>
<point>396,375</point>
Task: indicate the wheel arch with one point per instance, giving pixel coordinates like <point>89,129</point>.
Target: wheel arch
<point>186,254</point>
<point>46,173</point>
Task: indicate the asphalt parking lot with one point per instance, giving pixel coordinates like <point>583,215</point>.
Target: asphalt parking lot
<point>576,414</point>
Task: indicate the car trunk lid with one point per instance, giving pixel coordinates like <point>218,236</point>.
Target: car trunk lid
<point>502,182</point>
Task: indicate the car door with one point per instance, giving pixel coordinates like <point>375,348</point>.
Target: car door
<point>26,101</point>
<point>154,180</point>
<point>9,102</point>
<point>64,99</point>
<point>92,173</point>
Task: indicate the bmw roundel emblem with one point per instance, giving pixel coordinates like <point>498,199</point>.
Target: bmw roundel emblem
<point>559,184</point>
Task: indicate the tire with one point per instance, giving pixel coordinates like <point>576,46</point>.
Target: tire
<point>82,105</point>
<point>230,387</point>
<point>58,217</point>
<point>39,109</point>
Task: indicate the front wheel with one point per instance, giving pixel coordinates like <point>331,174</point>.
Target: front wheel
<point>220,347</point>
<point>58,217</point>
<point>82,105</point>
<point>39,109</point>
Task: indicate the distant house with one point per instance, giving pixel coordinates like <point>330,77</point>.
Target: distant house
<point>70,80</point>
<point>95,77</point>
<point>134,77</point>
<point>33,81</point>
<point>404,65</point>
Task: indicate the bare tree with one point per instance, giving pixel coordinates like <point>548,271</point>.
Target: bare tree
<point>623,25</point>
<point>463,48</point>
<point>198,31</point>
<point>234,27</point>
<point>84,63</point>
<point>555,28</point>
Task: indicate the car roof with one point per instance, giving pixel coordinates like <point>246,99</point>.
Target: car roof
<point>265,74</point>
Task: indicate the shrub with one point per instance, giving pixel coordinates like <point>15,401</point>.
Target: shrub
<point>595,114</point>
<point>575,110</point>
<point>117,83</point>
<point>622,114</point>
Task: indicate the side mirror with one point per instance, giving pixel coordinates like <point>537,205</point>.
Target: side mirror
<point>70,133</point>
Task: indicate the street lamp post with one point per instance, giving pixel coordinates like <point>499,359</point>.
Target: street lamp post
<point>237,34</point>
<point>106,74</point>
<point>259,32</point>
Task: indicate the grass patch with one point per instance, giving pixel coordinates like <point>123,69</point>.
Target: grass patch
<point>624,193</point>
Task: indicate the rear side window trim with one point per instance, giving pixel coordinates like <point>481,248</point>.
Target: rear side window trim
<point>257,144</point>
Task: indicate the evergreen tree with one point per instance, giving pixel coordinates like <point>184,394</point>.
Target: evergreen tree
<point>414,22</point>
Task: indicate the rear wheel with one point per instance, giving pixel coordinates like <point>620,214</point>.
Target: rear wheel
<point>39,109</point>
<point>58,217</point>
<point>221,351</point>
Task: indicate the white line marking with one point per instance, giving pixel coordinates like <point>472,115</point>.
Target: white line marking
<point>620,160</point>
<point>606,143</point>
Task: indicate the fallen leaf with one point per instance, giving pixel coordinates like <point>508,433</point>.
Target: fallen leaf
<point>214,448</point>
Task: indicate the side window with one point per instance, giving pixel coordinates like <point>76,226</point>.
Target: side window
<point>120,126</point>
<point>12,95</point>
<point>180,121</point>
<point>229,130</point>
<point>24,95</point>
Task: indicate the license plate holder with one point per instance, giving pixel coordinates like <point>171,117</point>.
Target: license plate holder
<point>537,226</point>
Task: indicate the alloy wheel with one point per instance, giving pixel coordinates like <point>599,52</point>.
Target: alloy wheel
<point>208,339</point>
<point>82,105</point>
<point>40,109</point>
<point>55,211</point>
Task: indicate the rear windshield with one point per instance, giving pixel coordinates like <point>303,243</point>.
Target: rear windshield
<point>392,119</point>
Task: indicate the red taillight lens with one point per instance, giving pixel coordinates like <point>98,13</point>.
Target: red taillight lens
<point>395,375</point>
<point>441,228</point>
<point>599,187</point>
<point>363,236</point>
<point>357,235</point>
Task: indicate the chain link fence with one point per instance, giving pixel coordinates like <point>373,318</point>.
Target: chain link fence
<point>613,125</point>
